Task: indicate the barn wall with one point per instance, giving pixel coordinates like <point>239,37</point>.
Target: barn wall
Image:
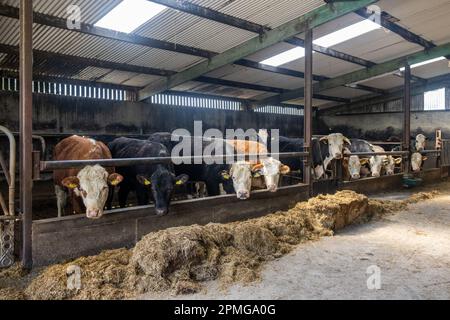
<point>54,114</point>
<point>383,120</point>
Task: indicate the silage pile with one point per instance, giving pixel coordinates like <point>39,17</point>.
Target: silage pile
<point>180,259</point>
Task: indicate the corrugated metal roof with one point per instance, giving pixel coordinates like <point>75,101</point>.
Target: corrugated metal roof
<point>428,18</point>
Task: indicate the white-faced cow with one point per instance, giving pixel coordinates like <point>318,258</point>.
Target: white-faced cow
<point>420,142</point>
<point>417,160</point>
<point>322,157</point>
<point>89,187</point>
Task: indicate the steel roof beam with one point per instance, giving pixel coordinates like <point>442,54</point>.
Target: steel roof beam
<point>286,31</point>
<point>359,75</point>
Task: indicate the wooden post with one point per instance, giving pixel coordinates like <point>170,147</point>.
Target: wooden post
<point>407,115</point>
<point>26,114</point>
<point>308,94</point>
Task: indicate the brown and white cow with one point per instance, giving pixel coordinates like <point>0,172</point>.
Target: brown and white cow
<point>247,174</point>
<point>88,187</point>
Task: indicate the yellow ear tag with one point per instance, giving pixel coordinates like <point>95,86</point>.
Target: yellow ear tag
<point>226,176</point>
<point>179,182</point>
<point>72,185</point>
<point>256,175</point>
<point>147,182</point>
<point>115,182</point>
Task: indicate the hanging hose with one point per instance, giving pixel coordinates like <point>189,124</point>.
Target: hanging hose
<point>12,169</point>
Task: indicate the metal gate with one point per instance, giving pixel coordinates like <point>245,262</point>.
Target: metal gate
<point>445,153</point>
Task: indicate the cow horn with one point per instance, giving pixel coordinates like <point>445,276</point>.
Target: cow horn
<point>347,140</point>
<point>323,138</point>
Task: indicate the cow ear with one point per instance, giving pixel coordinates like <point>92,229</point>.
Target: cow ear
<point>114,179</point>
<point>224,175</point>
<point>143,180</point>
<point>284,169</point>
<point>363,161</point>
<point>71,182</point>
<point>424,158</point>
<point>181,179</point>
<point>398,160</point>
<point>257,167</point>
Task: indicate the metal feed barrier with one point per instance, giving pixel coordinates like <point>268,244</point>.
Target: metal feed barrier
<point>8,219</point>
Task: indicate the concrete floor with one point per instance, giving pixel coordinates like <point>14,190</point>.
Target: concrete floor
<point>411,250</point>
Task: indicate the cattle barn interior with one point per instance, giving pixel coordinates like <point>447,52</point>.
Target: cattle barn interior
<point>377,71</point>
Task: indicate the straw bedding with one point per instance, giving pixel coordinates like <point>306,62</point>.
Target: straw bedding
<point>179,259</point>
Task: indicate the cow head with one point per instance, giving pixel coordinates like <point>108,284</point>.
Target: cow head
<point>420,142</point>
<point>241,175</point>
<point>389,163</point>
<point>225,179</point>
<point>92,185</point>
<point>354,167</point>
<point>271,169</point>
<point>161,184</point>
<point>416,161</point>
<point>336,143</point>
<point>376,164</point>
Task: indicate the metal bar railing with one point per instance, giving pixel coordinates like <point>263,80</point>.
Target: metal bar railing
<point>431,151</point>
<point>387,153</point>
<point>66,164</point>
<point>12,172</point>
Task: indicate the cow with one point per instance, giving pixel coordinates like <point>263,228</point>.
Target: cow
<point>417,160</point>
<point>420,142</point>
<point>214,175</point>
<point>351,168</point>
<point>159,178</point>
<point>417,143</point>
<point>323,150</point>
<point>90,187</point>
<point>326,149</point>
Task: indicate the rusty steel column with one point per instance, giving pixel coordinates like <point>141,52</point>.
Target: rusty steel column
<point>26,121</point>
<point>308,108</point>
<point>407,115</point>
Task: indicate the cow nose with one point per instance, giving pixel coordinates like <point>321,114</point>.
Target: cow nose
<point>161,212</point>
<point>243,195</point>
<point>356,176</point>
<point>338,155</point>
<point>375,174</point>
<point>272,188</point>
<point>93,213</point>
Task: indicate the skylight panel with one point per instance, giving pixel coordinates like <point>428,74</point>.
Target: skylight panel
<point>350,32</point>
<point>329,40</point>
<point>129,15</point>
<point>424,63</point>
<point>285,57</point>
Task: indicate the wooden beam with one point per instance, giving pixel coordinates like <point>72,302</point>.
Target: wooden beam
<point>311,19</point>
<point>363,74</point>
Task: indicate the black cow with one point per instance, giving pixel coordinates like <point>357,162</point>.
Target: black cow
<point>160,178</point>
<point>211,174</point>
